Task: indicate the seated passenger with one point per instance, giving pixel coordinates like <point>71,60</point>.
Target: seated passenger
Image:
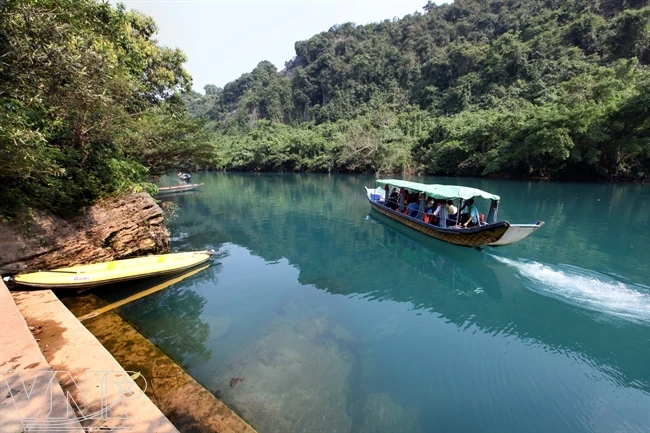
<point>430,206</point>
<point>428,210</point>
<point>469,214</point>
<point>407,200</point>
<point>413,208</point>
<point>393,200</point>
<point>451,209</point>
<point>452,214</point>
<point>435,217</point>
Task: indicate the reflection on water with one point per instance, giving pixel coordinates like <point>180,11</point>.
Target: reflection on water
<point>338,319</point>
<point>461,270</point>
<point>181,306</point>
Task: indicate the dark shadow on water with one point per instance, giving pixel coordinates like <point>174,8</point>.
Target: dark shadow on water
<point>448,264</point>
<point>174,304</point>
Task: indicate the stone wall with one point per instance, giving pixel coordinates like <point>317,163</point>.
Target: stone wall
<point>129,226</point>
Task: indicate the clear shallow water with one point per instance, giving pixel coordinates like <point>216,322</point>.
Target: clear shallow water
<point>341,320</point>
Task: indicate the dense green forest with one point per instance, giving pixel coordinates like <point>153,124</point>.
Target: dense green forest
<point>90,103</point>
<point>527,88</point>
<point>92,106</point>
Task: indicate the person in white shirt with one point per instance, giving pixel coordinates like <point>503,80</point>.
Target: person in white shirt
<point>451,209</point>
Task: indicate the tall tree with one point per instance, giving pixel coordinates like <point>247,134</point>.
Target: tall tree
<point>76,78</point>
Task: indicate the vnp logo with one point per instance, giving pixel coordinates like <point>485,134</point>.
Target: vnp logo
<point>100,399</point>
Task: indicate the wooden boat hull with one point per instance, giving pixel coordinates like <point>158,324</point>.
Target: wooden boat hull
<point>98,274</point>
<point>179,188</point>
<point>470,237</point>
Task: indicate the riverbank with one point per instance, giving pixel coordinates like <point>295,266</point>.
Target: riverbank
<point>40,334</point>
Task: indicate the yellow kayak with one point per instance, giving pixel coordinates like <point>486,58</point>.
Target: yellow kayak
<point>97,274</point>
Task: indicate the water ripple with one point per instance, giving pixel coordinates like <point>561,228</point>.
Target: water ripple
<point>585,288</point>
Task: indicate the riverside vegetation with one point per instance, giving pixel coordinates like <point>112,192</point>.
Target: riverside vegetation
<point>90,105</point>
<point>537,88</point>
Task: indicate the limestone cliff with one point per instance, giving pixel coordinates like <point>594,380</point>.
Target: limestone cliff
<point>127,226</point>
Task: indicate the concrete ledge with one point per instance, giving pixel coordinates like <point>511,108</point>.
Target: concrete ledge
<point>96,381</point>
<point>184,401</point>
<point>21,360</point>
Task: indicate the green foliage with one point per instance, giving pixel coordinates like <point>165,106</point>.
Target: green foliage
<point>84,90</point>
<point>524,88</point>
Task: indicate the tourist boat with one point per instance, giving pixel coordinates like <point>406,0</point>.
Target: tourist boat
<point>99,274</point>
<point>490,232</point>
<point>178,188</point>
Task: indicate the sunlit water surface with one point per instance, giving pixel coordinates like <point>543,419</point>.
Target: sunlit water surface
<point>339,320</point>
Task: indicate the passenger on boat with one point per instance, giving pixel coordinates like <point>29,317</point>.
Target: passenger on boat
<point>452,214</point>
<point>436,213</point>
<point>393,200</point>
<point>428,210</point>
<point>468,214</point>
<point>404,206</point>
<point>430,207</point>
<point>451,209</point>
<point>414,206</point>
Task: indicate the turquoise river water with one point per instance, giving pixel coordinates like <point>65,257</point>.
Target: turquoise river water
<point>340,320</point>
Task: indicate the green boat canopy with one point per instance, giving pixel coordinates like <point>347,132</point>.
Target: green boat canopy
<point>439,191</point>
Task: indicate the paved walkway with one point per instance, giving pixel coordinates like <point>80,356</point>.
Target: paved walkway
<point>100,388</point>
<point>20,360</point>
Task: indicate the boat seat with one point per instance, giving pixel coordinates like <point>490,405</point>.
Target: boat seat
<point>162,259</point>
<point>111,265</point>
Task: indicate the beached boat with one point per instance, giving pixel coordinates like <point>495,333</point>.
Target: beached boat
<point>98,274</point>
<point>488,232</point>
<point>178,188</point>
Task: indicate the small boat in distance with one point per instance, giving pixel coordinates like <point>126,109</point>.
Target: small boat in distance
<point>99,274</point>
<point>178,188</point>
<point>488,232</point>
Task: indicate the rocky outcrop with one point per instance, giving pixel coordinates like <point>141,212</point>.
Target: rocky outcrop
<point>128,226</point>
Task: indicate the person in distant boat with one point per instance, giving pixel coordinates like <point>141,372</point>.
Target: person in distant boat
<point>468,214</point>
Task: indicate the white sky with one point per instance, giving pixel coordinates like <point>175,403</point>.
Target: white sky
<point>225,39</point>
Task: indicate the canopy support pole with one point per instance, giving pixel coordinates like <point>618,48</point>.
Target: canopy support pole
<point>492,215</point>
<point>422,204</point>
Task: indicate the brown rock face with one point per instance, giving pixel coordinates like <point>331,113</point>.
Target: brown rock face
<point>129,226</point>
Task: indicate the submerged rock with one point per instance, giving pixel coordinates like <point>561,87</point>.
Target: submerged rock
<point>122,227</point>
<point>219,326</point>
<point>297,379</point>
<point>382,414</point>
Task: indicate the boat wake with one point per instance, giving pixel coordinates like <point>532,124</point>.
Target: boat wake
<point>586,289</point>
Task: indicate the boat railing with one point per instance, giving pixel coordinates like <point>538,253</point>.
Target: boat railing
<point>422,216</point>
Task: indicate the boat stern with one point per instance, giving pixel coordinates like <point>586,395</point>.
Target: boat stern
<point>516,232</point>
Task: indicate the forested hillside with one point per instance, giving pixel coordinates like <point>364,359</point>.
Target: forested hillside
<point>537,88</point>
